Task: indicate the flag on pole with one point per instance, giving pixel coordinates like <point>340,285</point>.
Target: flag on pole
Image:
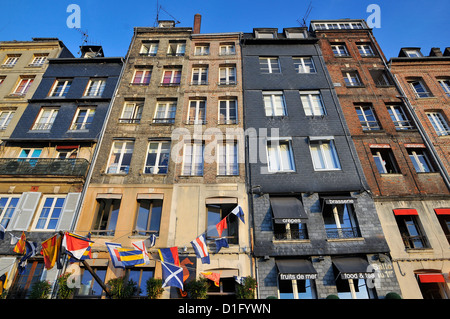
<point>2,232</point>
<point>49,250</point>
<point>30,251</point>
<point>172,275</point>
<point>140,245</point>
<point>169,255</point>
<point>212,276</point>
<point>130,257</point>
<point>221,226</point>
<point>20,245</point>
<point>76,245</point>
<point>221,242</point>
<point>114,254</point>
<point>200,248</point>
<point>239,212</point>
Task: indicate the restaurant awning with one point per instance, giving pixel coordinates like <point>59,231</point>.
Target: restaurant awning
<point>287,210</point>
<point>430,278</point>
<point>296,269</point>
<point>442,211</point>
<point>353,268</point>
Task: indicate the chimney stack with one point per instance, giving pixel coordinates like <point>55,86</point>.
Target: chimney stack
<point>435,52</point>
<point>197,23</point>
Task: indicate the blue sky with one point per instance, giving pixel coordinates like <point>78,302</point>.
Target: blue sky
<point>110,22</point>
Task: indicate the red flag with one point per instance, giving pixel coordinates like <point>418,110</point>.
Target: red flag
<point>212,276</point>
<point>221,226</point>
<point>50,249</point>
<point>20,245</point>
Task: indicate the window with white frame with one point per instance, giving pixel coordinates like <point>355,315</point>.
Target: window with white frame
<point>413,53</point>
<point>60,88</point>
<point>367,118</point>
<point>227,75</point>
<point>339,50</point>
<point>227,158</point>
<point>384,160</point>
<point>131,113</point>
<point>120,158</point>
<point>83,118</point>
<point>199,75</point>
<point>95,87</point>
<point>149,48</point>
<point>227,49</point>
<point>420,89</point>
<point>274,104</point>
<point>201,49</point>
<point>23,85</point>
<point>193,159</point>
<point>269,65</point>
<point>280,156</point>
<point>176,48</point>
<point>439,123</point>
<point>50,213</point>
<point>351,78</point>
<point>297,289</point>
<point>38,60</point>
<point>8,205</point>
<point>365,50</point>
<point>197,111</point>
<point>420,159</point>
<point>398,116</point>
<point>158,155</point>
<point>46,118</point>
<point>353,288</point>
<point>11,60</point>
<point>142,76</point>
<point>312,103</point>
<point>171,77</point>
<point>265,34</point>
<point>445,85</point>
<point>5,118</point>
<point>324,155</point>
<point>228,111</point>
<point>165,112</point>
<point>340,221</point>
<point>304,65</point>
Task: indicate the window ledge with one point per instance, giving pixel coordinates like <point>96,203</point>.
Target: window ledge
<point>291,241</point>
<point>391,174</point>
<point>345,239</point>
<point>419,250</point>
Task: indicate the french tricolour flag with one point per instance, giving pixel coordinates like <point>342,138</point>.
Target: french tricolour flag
<point>201,250</point>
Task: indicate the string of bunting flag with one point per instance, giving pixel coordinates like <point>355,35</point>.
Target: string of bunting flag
<point>78,248</point>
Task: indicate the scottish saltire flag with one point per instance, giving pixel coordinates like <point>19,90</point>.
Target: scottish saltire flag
<point>200,248</point>
<point>221,242</point>
<point>30,251</point>
<point>131,257</point>
<point>239,213</point>
<point>2,232</point>
<point>76,245</point>
<point>169,255</point>
<point>114,254</point>
<point>140,245</point>
<point>172,275</point>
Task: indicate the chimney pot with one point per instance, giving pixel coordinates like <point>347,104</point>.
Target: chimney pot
<point>197,23</point>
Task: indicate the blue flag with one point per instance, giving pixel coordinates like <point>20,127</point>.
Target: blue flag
<point>172,275</point>
<point>221,242</point>
<point>30,251</point>
<point>239,213</point>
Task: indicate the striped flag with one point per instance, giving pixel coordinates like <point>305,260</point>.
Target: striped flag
<point>112,248</point>
<point>169,255</point>
<point>49,250</point>
<point>20,245</point>
<point>200,248</point>
<point>239,213</point>
<point>140,245</point>
<point>130,257</point>
<point>76,245</point>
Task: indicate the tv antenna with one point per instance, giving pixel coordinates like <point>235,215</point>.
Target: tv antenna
<point>305,17</point>
<point>158,9</point>
<point>84,38</point>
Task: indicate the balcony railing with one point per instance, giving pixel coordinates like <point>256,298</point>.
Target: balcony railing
<point>342,233</point>
<point>292,234</point>
<point>415,242</point>
<point>44,166</point>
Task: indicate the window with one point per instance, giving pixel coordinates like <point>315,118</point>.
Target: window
<point>171,77</point>
<point>30,153</point>
<point>120,158</point>
<point>149,217</point>
<point>434,287</point>
<point>420,89</point>
<point>385,161</point>
<point>413,53</point>
<point>265,35</point>
<point>227,75</point>
<point>289,231</point>
<point>95,87</point>
<point>324,155</point>
<point>227,49</point>
<point>420,160</point>
<point>445,84</point>
<point>280,157</point>
<point>7,208</point>
<point>132,113</point>
<point>274,104</point>
<point>89,286</point>
<point>197,112</point>
<point>199,76</point>
<point>339,50</point>
<point>297,289</point>
<point>304,65</point>
<point>201,49</point>
<point>22,284</point>
<point>105,221</point>
<point>351,78</point>
<point>157,158</point>
<point>149,49</point>
<point>217,212</point>
<point>142,77</point>
<point>227,158</point>
<point>45,119</point>
<point>228,111</point>
<point>60,88</point>
<point>367,118</point>
<point>439,123</point>
<point>353,288</point>
<point>193,159</point>
<point>410,229</point>
<point>380,78</point>
<point>5,118</point>
<point>165,112</point>
<point>38,60</point>
<point>365,50</point>
<point>176,48</point>
<point>24,85</point>
<point>312,103</point>
<point>83,118</point>
<point>444,220</point>
<point>11,60</point>
<point>50,213</point>
<point>399,117</point>
<point>269,65</point>
<point>340,221</point>
<point>140,277</point>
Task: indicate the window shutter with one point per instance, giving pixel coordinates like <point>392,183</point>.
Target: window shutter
<point>25,210</point>
<point>68,211</point>
<point>6,265</point>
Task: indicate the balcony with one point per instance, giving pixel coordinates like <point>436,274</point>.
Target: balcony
<point>44,166</point>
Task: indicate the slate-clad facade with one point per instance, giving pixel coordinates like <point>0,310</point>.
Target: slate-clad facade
<point>301,159</point>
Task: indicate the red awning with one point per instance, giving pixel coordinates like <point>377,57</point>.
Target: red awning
<point>405,211</point>
<point>67,147</point>
<point>427,278</point>
<point>442,211</point>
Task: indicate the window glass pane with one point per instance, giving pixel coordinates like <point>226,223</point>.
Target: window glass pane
<point>285,289</point>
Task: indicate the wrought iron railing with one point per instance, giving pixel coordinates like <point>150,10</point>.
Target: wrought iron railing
<point>342,233</point>
<point>291,234</point>
<point>415,242</point>
<point>44,166</point>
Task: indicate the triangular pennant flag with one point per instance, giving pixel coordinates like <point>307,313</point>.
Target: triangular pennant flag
<point>49,250</point>
<point>212,276</point>
<point>114,254</point>
<point>221,242</point>
<point>221,226</point>
<point>200,248</point>
<point>20,245</point>
<point>172,275</point>
<point>239,213</point>
<point>76,245</point>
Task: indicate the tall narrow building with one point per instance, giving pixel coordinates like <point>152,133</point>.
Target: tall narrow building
<point>316,230</point>
<point>407,182</point>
